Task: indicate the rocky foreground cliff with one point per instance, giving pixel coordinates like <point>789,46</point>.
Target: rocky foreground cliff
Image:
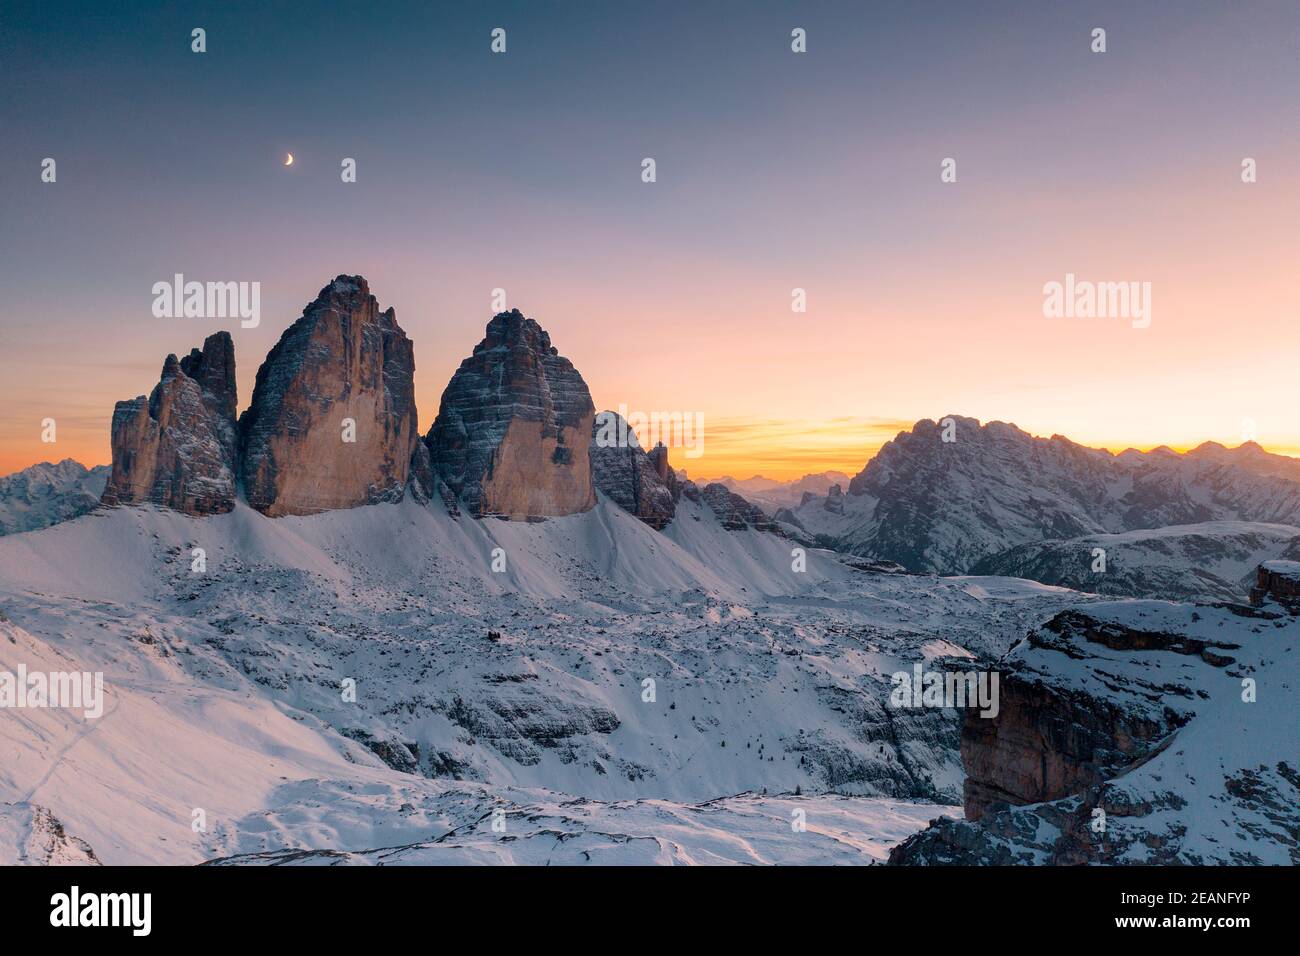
<point>1137,732</point>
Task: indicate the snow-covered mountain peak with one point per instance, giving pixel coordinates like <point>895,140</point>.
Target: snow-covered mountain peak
<point>944,497</point>
<point>48,493</point>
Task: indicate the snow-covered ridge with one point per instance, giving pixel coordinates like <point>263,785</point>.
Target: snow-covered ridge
<point>1212,561</point>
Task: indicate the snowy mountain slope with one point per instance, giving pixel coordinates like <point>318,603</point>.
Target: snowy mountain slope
<point>605,552</point>
<point>225,686</point>
<point>277,785</point>
<point>128,782</point>
<point>1213,561</point>
<point>938,505</point>
<point>46,494</point>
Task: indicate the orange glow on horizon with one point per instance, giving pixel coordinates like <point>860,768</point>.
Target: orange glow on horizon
<point>780,450</point>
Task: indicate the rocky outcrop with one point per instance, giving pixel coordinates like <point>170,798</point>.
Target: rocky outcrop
<point>1277,582</point>
<point>1120,725</point>
<point>1054,737</point>
<point>1115,824</point>
<point>658,456</point>
<point>36,837</point>
<point>523,723</point>
<point>332,423</point>
<point>514,428</point>
<point>1044,745</point>
<point>735,513</point>
<point>213,367</point>
<point>641,484</point>
<point>424,483</point>
<point>787,517</point>
<point>176,448</point>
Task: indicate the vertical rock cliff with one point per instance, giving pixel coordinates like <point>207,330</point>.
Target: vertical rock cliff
<point>514,427</point>
<point>735,513</point>
<point>332,422</point>
<point>1277,582</point>
<point>1134,732</point>
<point>176,448</point>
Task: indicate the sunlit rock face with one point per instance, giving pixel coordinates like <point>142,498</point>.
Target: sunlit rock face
<point>514,427</point>
<point>332,422</point>
<point>176,448</point>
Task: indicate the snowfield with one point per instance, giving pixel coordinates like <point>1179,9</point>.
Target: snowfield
<point>615,694</point>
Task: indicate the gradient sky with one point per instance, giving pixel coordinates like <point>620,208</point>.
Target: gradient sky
<point>775,170</point>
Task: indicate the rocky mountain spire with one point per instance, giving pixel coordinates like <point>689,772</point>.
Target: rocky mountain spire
<point>333,421</point>
<point>177,447</point>
<point>213,367</point>
<point>514,427</point>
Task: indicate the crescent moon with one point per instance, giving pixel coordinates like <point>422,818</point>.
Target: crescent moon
<point>288,159</point>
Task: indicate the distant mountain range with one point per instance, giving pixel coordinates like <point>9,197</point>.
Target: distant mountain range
<point>954,506</point>
<point>772,495</point>
<point>46,494</point>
